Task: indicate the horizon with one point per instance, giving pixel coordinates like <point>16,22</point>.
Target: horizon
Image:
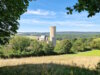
<point>66,31</point>
<point>45,13</point>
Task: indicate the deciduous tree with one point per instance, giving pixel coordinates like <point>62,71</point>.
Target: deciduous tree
<point>91,6</point>
<point>10,12</point>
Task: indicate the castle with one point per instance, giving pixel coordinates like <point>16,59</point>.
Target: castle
<point>52,36</point>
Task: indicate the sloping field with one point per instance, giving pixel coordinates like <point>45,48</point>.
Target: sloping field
<point>86,58</point>
<point>69,64</point>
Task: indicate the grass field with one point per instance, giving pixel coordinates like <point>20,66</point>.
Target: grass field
<point>88,53</point>
<point>83,63</point>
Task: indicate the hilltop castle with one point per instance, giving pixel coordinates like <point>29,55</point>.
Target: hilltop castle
<point>52,36</point>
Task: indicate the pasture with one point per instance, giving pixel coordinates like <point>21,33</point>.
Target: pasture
<point>83,63</point>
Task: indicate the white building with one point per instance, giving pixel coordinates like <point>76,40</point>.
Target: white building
<point>43,38</point>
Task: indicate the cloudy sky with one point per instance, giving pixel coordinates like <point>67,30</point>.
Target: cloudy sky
<point>42,14</point>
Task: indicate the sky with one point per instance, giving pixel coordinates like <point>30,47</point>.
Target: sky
<point>41,14</point>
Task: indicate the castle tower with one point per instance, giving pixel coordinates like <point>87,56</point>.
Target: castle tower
<point>53,35</point>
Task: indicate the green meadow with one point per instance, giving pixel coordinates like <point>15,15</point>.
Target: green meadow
<point>87,53</point>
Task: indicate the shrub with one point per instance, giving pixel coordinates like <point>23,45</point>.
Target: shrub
<point>63,46</point>
<point>21,47</point>
<point>20,43</point>
<point>35,48</point>
<point>95,43</point>
<point>48,48</point>
<point>81,45</point>
<point>78,46</point>
<point>87,45</point>
<point>6,51</point>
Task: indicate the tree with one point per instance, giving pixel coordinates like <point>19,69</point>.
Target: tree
<point>95,44</point>
<point>20,43</point>
<point>78,46</point>
<point>10,12</point>
<point>48,48</point>
<point>63,47</point>
<point>36,48</point>
<point>91,6</point>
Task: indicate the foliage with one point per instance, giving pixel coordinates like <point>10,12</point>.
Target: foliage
<point>78,46</point>
<point>63,47</point>
<point>81,45</point>
<point>36,48</point>
<point>6,51</point>
<point>20,43</point>
<point>91,6</point>
<point>48,48</point>
<point>95,43</point>
<point>10,11</point>
<point>87,44</point>
<point>20,46</point>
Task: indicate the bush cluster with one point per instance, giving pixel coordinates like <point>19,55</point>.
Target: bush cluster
<point>20,46</point>
<point>63,46</point>
<point>73,46</point>
<point>23,46</point>
<point>81,45</point>
<point>95,44</point>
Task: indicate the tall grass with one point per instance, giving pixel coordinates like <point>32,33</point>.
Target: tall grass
<point>46,69</point>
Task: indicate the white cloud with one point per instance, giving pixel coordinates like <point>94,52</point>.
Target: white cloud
<point>41,12</point>
<point>58,23</point>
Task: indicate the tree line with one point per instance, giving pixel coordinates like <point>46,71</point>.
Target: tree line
<point>20,46</point>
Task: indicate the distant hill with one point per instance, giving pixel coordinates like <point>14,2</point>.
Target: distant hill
<point>33,33</point>
<point>64,34</point>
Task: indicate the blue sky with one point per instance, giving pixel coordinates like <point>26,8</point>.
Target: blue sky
<point>42,14</point>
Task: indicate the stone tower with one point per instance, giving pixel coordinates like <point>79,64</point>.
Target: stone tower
<point>53,35</point>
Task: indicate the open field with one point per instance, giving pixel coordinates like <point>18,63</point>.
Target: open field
<point>89,58</point>
<point>87,53</point>
<point>48,65</point>
<point>89,61</point>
